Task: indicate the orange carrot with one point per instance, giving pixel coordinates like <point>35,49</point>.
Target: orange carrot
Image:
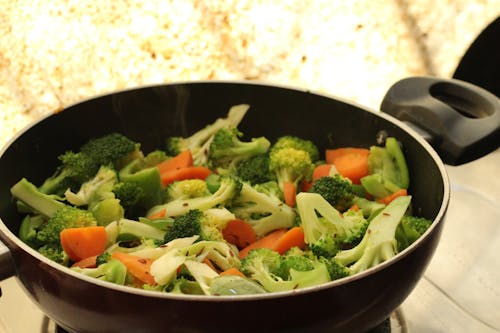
<point>386,200</point>
<point>81,243</point>
<point>239,233</point>
<point>136,266</point>
<point>289,193</point>
<point>321,170</point>
<point>232,271</point>
<point>293,237</point>
<point>182,160</point>
<point>305,185</point>
<point>210,264</point>
<point>158,215</point>
<point>89,262</point>
<point>192,172</point>
<point>268,242</point>
<point>350,162</point>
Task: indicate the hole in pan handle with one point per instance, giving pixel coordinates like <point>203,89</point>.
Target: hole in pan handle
<point>460,120</point>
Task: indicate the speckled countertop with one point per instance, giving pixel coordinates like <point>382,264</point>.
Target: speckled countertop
<point>54,53</point>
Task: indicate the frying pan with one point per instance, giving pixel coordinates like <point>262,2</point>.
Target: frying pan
<point>150,114</point>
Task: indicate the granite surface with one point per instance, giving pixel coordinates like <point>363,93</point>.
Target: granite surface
<point>54,53</point>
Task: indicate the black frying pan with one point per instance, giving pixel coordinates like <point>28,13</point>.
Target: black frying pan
<point>150,114</point>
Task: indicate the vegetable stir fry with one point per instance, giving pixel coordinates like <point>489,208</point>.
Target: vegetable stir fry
<point>218,214</point>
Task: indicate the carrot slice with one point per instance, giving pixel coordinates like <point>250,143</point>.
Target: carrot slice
<point>289,193</point>
<point>158,215</point>
<point>268,241</point>
<point>232,271</point>
<point>239,233</point>
<point>293,237</point>
<point>182,160</point>
<point>321,170</point>
<point>81,243</point>
<point>350,162</point>
<point>386,200</point>
<point>136,266</point>
<point>89,262</point>
<point>192,172</point>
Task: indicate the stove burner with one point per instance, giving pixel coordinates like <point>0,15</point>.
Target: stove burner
<point>394,324</point>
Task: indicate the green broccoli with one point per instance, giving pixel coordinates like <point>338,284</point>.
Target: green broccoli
<point>147,178</point>
<point>128,230</point>
<point>112,271</point>
<point>66,217</point>
<point>255,170</point>
<point>335,269</point>
<point>199,142</point>
<point>78,167</point>
<point>263,211</point>
<point>130,195</point>
<point>186,225</point>
<point>337,190</point>
<point>410,229</point>
<point>29,228</point>
<point>388,171</point>
<point>290,165</point>
<point>379,243</point>
<point>227,150</point>
<point>229,188</point>
<point>290,141</point>
<point>97,188</point>
<point>54,252</point>
<point>186,189</point>
<point>264,266</point>
<point>369,208</point>
<point>270,188</point>
<point>325,232</point>
<point>296,262</point>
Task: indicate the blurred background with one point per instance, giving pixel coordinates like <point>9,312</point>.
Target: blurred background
<point>55,53</point>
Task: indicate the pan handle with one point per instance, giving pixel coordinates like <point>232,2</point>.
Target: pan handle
<point>6,263</point>
<point>460,120</point>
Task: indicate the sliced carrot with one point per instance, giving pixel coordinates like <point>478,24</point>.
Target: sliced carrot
<point>354,208</point>
<point>89,262</point>
<point>239,233</point>
<point>210,264</point>
<point>321,170</point>
<point>158,215</point>
<point>268,242</point>
<point>192,172</point>
<point>293,237</point>
<point>386,200</point>
<point>350,162</point>
<point>182,160</point>
<point>232,271</point>
<point>81,243</point>
<point>289,193</point>
<point>136,266</point>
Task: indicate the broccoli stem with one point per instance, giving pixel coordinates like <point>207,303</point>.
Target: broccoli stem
<point>29,194</point>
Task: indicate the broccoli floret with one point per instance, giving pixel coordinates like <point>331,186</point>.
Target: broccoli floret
<point>129,194</point>
<point>185,225</point>
<point>335,269</point>
<point>229,188</point>
<point>147,179</point>
<point>296,262</point>
<point>270,188</point>
<point>410,229</point>
<point>369,208</point>
<point>29,228</point>
<point>154,158</point>
<point>227,150</point>
<point>199,142</point>
<point>388,171</point>
<point>255,170</point>
<point>186,189</point>
<point>113,148</point>
<point>78,167</point>
<point>112,271</point>
<point>290,165</point>
<point>103,258</point>
<point>322,232</point>
<point>379,243</point>
<point>54,252</point>
<point>264,212</point>
<point>97,188</point>
<point>263,266</point>
<point>66,217</point>
<point>337,190</point>
<point>290,141</point>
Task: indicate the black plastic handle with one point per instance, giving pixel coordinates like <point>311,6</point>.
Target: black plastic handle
<point>460,120</point>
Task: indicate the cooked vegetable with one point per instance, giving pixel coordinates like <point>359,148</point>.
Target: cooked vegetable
<point>218,215</point>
